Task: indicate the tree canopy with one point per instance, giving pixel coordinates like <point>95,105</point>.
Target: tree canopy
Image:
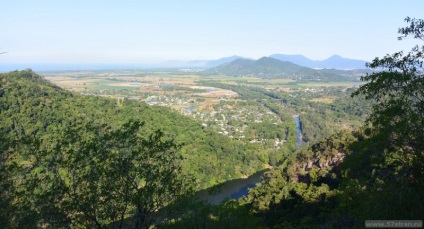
<point>69,160</point>
<point>375,172</point>
<point>398,88</point>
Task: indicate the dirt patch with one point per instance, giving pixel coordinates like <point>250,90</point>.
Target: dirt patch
<point>327,100</point>
<point>125,84</point>
<point>284,89</point>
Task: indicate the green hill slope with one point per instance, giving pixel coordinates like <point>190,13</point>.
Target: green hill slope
<point>33,107</point>
<point>69,160</point>
<point>339,183</point>
<point>267,67</point>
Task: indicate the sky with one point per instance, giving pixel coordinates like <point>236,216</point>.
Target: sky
<point>147,32</point>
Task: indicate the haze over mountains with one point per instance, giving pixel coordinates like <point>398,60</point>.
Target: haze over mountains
<point>267,67</point>
<point>200,63</point>
<point>335,61</point>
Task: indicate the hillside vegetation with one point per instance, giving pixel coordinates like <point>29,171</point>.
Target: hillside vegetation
<point>269,68</point>
<point>73,161</point>
<point>51,137</point>
<point>375,172</point>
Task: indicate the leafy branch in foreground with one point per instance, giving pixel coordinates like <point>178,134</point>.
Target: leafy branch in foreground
<point>393,148</point>
<point>399,91</point>
<point>96,176</point>
<point>416,28</point>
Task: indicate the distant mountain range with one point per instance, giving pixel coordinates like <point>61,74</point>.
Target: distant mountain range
<point>336,62</point>
<point>199,63</point>
<point>267,67</point>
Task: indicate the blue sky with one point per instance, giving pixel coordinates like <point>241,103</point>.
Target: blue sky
<point>142,32</point>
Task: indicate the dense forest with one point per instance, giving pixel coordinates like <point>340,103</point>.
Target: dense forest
<point>375,172</point>
<point>58,136</point>
<point>74,161</point>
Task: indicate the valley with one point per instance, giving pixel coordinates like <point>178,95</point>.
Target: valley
<point>218,102</point>
<point>210,141</point>
<point>211,114</point>
<point>246,141</point>
<point>265,114</point>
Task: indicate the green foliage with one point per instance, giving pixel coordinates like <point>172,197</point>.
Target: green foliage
<point>197,214</point>
<point>84,161</point>
<point>386,173</point>
<point>399,91</point>
<point>94,176</point>
<point>381,176</point>
<point>258,97</point>
<point>318,120</point>
<point>280,202</point>
<point>397,121</point>
<point>31,106</point>
<point>82,168</point>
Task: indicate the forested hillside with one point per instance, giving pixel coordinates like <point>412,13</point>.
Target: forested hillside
<point>73,161</point>
<point>51,136</point>
<point>32,107</point>
<point>373,173</point>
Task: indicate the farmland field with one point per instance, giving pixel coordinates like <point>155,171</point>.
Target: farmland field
<point>232,106</point>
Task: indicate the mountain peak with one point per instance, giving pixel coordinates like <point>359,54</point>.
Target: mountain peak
<point>268,68</point>
<point>265,58</point>
<point>335,57</point>
<point>335,61</point>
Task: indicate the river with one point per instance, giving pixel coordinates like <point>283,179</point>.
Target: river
<point>234,189</point>
<point>299,139</point>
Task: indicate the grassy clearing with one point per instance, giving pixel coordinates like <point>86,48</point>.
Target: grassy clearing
<point>326,100</point>
<point>329,84</point>
<point>154,83</point>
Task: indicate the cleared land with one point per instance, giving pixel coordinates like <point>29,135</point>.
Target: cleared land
<point>177,89</point>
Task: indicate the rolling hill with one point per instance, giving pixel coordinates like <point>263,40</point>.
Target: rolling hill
<point>32,107</point>
<point>267,67</point>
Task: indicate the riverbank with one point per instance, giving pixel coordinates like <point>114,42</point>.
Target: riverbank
<point>232,189</point>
